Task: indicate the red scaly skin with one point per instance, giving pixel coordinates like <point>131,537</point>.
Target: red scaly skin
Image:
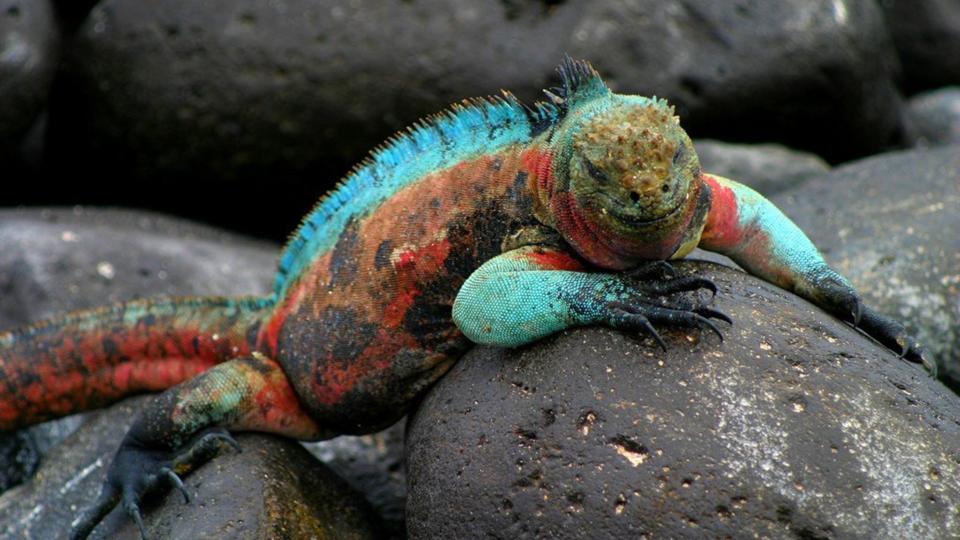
<point>368,325</point>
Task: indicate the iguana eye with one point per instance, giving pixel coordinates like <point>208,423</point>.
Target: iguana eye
<point>596,173</point>
<point>678,155</point>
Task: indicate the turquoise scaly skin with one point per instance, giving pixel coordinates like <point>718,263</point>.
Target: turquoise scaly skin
<point>491,222</point>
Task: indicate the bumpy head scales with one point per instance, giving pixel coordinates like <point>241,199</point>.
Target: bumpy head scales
<point>633,175</point>
<point>637,148</point>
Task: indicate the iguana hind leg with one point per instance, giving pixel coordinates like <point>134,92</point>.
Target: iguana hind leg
<point>182,427</point>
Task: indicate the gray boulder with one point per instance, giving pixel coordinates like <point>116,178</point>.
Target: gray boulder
<point>794,426</point>
<point>28,57</point>
<point>767,168</point>
<point>927,37</point>
<point>935,117</point>
<point>890,223</point>
<point>62,259</point>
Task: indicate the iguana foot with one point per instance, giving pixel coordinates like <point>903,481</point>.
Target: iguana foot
<point>657,301</point>
<point>137,470</point>
<point>639,317</point>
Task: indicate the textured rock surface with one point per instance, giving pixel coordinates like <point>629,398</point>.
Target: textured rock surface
<point>890,224</point>
<point>212,96</point>
<point>767,168</point>
<point>935,116</point>
<point>55,260</point>
<point>372,465</point>
<point>28,56</point>
<point>273,489</point>
<point>795,426</point>
<point>927,38</point>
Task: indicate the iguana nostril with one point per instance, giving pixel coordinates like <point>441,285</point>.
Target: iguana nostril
<point>635,197</point>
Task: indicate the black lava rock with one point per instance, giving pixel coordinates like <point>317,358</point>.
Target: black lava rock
<point>812,75</point>
<point>373,465</point>
<point>71,13</point>
<point>264,105</point>
<point>28,57</point>
<point>794,426</point>
<point>927,37</point>
<point>61,259</point>
<point>890,223</point>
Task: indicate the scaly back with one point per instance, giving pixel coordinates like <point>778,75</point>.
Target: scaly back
<point>475,127</point>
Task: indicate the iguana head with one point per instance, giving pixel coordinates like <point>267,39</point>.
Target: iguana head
<point>628,178</point>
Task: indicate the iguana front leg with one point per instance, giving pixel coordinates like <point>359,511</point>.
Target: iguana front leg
<point>531,292</point>
<point>749,229</point>
<point>182,427</point>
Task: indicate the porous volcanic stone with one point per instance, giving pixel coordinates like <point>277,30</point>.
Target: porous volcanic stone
<point>794,426</point>
<point>890,223</point>
<point>767,168</point>
<point>373,465</point>
<point>272,489</point>
<point>266,104</point>
<point>927,37</point>
<point>28,56</point>
<point>811,75</point>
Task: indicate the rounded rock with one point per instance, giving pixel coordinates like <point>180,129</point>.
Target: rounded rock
<point>794,425</point>
<point>767,168</point>
<point>889,223</point>
<point>28,57</point>
<point>935,117</point>
<point>927,37</point>
<point>209,101</point>
<point>272,489</point>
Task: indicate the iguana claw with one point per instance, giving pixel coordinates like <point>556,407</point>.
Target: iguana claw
<point>137,471</point>
<point>894,336</point>
<point>177,483</point>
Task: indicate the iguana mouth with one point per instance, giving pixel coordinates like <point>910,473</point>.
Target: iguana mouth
<point>635,221</point>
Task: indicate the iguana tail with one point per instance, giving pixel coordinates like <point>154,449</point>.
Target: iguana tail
<point>88,359</point>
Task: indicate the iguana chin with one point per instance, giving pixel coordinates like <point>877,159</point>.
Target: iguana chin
<point>491,223</point>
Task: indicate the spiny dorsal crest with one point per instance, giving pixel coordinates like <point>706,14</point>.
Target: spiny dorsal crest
<point>581,83</point>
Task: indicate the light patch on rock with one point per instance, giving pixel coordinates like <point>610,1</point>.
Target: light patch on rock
<point>892,507</point>
<point>749,429</point>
